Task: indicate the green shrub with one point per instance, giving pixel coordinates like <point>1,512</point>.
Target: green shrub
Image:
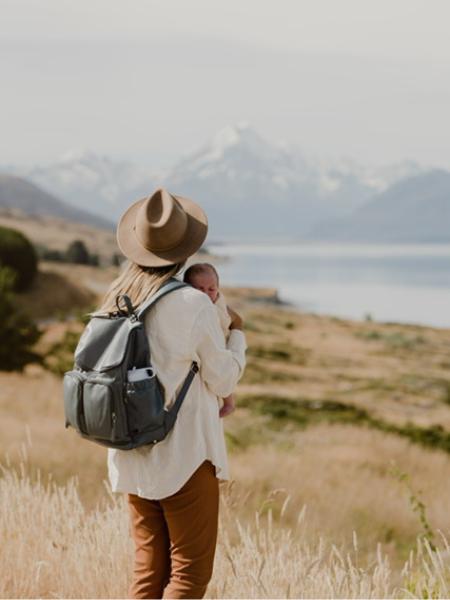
<point>17,253</point>
<point>396,339</point>
<point>77,253</point>
<point>446,393</point>
<point>261,373</point>
<point>281,352</point>
<point>301,412</point>
<point>18,333</point>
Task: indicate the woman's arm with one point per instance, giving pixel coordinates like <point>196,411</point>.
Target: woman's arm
<point>221,365</point>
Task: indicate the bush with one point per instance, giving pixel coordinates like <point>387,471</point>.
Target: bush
<point>18,333</point>
<point>17,253</point>
<point>77,253</point>
<point>51,255</point>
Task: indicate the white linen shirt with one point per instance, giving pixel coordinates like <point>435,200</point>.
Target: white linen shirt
<point>225,319</point>
<point>184,326</point>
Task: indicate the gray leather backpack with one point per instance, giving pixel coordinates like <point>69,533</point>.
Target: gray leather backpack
<point>112,395</point>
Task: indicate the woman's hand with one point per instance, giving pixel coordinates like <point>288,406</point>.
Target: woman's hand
<point>236,320</point>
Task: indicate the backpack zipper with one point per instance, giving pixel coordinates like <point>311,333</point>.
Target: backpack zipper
<point>113,433</point>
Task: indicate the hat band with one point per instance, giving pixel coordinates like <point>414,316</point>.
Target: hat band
<point>166,248</point>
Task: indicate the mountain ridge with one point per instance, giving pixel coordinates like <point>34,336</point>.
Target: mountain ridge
<point>416,209</point>
<point>251,189</point>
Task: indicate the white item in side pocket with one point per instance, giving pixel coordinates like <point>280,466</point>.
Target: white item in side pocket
<point>140,374</point>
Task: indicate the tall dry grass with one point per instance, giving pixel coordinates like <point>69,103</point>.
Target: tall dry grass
<point>52,548</point>
<point>340,473</point>
<point>32,428</point>
<point>343,475</point>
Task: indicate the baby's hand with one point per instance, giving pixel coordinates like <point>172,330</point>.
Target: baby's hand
<point>226,410</point>
<point>228,406</point>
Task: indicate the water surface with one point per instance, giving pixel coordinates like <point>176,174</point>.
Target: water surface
<point>395,283</point>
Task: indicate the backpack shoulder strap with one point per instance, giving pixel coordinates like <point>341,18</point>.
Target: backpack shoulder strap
<point>170,285</point>
<point>184,389</point>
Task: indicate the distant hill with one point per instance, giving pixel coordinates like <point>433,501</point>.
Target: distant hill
<point>414,210</point>
<point>18,193</point>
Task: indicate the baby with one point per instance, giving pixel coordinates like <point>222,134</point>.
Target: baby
<point>205,278</point>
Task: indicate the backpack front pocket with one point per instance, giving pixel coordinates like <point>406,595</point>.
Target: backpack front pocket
<point>100,414</point>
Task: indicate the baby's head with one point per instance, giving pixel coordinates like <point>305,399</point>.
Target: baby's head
<point>203,277</point>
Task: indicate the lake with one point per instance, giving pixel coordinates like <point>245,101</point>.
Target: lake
<point>388,283</point>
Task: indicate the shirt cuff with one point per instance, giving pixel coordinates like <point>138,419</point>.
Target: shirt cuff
<point>236,341</point>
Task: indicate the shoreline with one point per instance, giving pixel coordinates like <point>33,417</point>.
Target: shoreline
<point>61,290</point>
<point>270,298</point>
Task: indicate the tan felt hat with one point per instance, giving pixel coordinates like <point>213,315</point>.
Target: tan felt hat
<point>161,230</point>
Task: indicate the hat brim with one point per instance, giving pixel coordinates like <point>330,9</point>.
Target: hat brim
<point>132,248</point>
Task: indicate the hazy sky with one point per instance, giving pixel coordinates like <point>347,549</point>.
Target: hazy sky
<point>148,80</point>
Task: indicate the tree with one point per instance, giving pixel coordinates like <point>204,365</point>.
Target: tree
<point>77,253</point>
<point>116,259</point>
<point>18,333</point>
<point>18,253</point>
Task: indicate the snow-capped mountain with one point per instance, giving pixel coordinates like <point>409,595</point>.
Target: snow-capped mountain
<point>249,187</point>
<point>256,189</point>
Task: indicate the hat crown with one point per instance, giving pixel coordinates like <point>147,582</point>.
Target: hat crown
<point>161,222</point>
<point>161,229</point>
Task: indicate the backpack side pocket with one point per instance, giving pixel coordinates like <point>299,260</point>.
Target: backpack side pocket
<point>145,406</point>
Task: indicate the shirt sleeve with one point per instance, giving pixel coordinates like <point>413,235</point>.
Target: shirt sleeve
<point>225,319</point>
<point>221,364</point>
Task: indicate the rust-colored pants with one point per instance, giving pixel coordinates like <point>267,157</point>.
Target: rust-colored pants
<point>175,539</point>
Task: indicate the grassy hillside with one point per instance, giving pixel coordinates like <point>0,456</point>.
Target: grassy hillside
<point>61,289</point>
<point>55,233</point>
<point>340,447</point>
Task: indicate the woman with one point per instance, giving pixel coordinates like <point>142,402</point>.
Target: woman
<point>172,487</point>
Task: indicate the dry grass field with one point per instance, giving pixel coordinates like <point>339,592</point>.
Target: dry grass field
<point>339,452</point>
<point>53,548</point>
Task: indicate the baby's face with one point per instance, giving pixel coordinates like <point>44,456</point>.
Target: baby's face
<point>206,282</point>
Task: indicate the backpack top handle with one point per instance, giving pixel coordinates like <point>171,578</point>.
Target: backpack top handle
<point>129,307</point>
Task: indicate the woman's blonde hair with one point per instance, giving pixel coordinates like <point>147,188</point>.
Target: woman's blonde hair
<point>139,283</point>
